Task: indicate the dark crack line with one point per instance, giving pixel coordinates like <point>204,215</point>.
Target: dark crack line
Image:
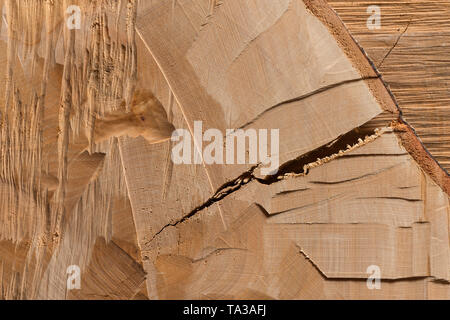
<point>305,96</point>
<point>248,176</point>
<point>391,198</point>
<point>395,44</point>
<point>357,178</point>
<point>225,190</point>
<point>307,205</point>
<point>216,251</point>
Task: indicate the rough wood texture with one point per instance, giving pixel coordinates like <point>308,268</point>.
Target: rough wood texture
<point>411,52</point>
<point>88,179</point>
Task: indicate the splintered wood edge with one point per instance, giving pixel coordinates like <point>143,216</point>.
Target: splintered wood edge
<point>408,137</point>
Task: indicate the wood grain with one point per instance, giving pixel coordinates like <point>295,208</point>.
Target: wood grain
<point>87,178</point>
<point>412,52</point>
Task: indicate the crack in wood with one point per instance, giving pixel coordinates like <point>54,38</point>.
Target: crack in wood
<point>305,96</point>
<point>395,44</point>
<point>295,166</point>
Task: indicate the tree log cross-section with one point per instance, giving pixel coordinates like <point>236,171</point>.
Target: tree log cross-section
<point>207,149</point>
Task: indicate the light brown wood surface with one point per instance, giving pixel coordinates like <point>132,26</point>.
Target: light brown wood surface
<point>87,177</point>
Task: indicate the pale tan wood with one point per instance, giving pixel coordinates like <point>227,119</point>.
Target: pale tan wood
<point>330,245</point>
<point>87,177</point>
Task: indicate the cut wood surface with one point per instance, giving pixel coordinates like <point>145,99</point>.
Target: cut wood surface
<point>94,206</point>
